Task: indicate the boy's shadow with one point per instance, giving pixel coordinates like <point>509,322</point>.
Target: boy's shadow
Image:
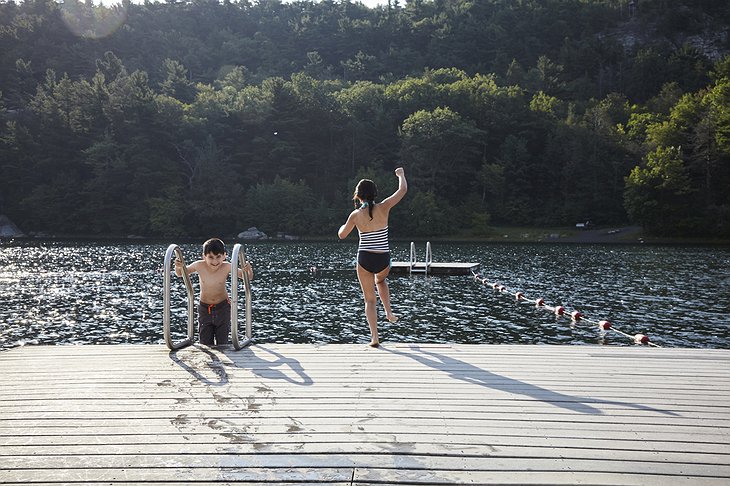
<point>193,364</point>
<point>248,359</point>
<point>469,373</point>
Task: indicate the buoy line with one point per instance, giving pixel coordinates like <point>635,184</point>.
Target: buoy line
<point>559,311</point>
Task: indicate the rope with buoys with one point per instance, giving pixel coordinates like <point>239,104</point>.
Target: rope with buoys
<point>559,311</point>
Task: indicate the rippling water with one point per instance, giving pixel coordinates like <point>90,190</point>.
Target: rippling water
<point>81,292</point>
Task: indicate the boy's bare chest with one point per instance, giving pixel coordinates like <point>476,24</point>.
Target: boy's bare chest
<point>213,279</point>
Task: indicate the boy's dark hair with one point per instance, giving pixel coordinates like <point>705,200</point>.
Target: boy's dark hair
<point>214,246</point>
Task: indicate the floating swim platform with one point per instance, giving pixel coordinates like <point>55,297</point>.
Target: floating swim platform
<point>348,414</point>
<point>435,268</point>
<point>428,266</point>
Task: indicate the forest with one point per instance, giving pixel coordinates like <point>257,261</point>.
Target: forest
<point>206,117</point>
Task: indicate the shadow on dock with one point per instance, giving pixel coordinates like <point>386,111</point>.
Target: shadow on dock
<point>469,373</point>
<point>196,365</point>
<point>270,369</point>
<point>247,359</point>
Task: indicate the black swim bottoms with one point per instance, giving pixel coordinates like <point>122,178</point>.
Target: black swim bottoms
<point>373,262</point>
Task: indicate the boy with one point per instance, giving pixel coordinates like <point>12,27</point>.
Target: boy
<point>214,308</point>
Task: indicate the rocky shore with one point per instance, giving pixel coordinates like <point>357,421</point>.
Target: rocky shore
<point>628,234</point>
<point>8,228</point>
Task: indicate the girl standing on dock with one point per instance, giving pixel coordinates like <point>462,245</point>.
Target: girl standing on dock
<point>373,255</point>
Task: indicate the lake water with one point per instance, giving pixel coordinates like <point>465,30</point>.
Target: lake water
<point>62,292</point>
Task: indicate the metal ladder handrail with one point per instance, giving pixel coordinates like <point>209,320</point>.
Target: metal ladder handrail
<point>429,256</point>
<point>413,261</point>
<point>174,249</point>
<point>238,257</point>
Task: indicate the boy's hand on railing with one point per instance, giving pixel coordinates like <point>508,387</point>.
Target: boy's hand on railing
<point>178,267</point>
<point>248,268</point>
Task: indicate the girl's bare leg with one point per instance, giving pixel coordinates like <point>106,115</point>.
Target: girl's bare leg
<point>367,283</point>
<point>384,293</point>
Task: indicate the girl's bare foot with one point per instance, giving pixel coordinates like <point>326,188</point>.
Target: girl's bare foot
<point>374,344</point>
<point>392,318</point>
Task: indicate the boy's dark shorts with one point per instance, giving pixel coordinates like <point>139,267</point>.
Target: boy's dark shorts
<point>214,322</point>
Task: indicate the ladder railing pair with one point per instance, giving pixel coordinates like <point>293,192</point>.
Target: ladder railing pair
<point>414,266</point>
<point>238,260</point>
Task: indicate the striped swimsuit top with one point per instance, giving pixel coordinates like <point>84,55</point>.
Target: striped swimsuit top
<point>375,241</point>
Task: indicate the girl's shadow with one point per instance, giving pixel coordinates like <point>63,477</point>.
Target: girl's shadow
<point>469,373</point>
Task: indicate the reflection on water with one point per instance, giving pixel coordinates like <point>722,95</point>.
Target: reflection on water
<point>81,292</point>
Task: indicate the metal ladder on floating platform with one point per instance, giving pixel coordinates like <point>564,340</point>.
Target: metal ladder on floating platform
<point>238,260</point>
<point>414,266</point>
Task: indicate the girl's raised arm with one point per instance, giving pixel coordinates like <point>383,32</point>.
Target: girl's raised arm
<point>395,198</point>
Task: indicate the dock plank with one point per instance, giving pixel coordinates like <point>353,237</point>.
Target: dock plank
<point>350,414</point>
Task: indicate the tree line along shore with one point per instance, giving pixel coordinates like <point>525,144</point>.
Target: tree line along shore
<point>205,117</point>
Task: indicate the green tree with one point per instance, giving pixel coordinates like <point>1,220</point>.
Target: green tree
<point>372,137</point>
<point>214,186</point>
<point>658,196</point>
<point>427,215</point>
<point>543,103</point>
<point>176,83</point>
<point>440,149</point>
<point>168,212</point>
<point>719,102</point>
<point>282,206</point>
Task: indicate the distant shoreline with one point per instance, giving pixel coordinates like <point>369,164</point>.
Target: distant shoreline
<point>623,235</point>
<point>626,235</point>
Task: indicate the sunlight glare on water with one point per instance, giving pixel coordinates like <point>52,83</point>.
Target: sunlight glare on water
<point>80,292</point>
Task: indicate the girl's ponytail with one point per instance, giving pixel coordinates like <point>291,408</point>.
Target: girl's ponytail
<point>365,193</point>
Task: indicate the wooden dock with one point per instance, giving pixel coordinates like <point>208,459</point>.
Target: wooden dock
<point>440,268</point>
<point>354,415</point>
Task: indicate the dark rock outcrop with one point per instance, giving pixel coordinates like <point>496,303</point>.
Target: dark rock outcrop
<point>8,228</point>
<point>252,233</point>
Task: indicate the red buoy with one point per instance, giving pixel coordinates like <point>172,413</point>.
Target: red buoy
<point>502,288</point>
<point>559,310</point>
<point>641,339</point>
<point>539,302</point>
<point>604,325</point>
<point>495,285</point>
<point>519,296</point>
<point>576,316</point>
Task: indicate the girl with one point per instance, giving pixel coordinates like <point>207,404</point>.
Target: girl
<point>373,255</point>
